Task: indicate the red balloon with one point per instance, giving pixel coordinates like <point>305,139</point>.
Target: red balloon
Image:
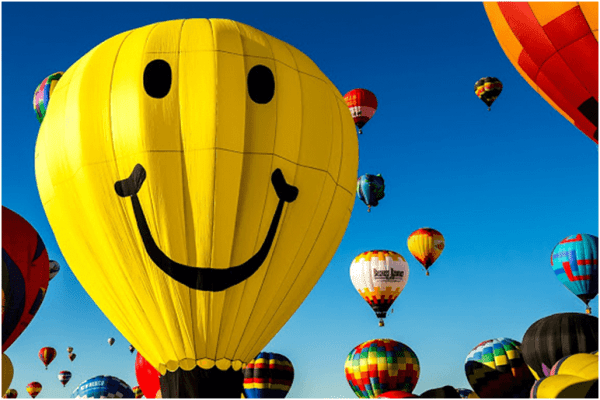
<point>147,376</point>
<point>395,394</point>
<point>362,104</point>
<point>25,275</point>
<point>47,354</point>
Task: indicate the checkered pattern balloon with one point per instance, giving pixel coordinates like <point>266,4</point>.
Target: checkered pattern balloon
<point>575,263</point>
<point>380,365</point>
<point>495,368</point>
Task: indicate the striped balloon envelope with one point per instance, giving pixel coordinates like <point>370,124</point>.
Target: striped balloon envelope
<point>64,377</point>
<point>575,263</point>
<point>25,275</point>
<point>42,95</point>
<point>381,365</point>
<point>362,104</point>
<point>269,375</point>
<point>495,368</point>
<point>379,276</point>
<point>554,46</point>
<point>101,387</point>
<point>426,245</point>
<point>47,355</point>
<point>34,388</point>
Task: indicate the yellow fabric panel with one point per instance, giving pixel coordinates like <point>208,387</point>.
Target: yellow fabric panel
<point>590,12</point>
<point>563,386</point>
<point>547,11</point>
<point>209,152</point>
<point>583,365</point>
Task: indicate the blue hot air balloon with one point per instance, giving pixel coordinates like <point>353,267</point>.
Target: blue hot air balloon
<point>103,387</point>
<point>575,263</point>
<point>369,189</point>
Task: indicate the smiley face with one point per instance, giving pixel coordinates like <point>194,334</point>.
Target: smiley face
<point>198,176</point>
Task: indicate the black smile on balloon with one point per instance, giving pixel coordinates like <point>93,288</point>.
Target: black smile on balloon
<point>208,279</point>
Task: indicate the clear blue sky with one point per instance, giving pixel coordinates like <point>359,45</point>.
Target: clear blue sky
<point>503,186</point>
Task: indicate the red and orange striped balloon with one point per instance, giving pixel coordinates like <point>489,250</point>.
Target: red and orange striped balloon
<point>554,46</point>
<point>426,245</point>
<point>47,354</point>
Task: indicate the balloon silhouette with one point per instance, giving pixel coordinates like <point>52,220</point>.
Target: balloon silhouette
<point>554,46</point>
<point>217,220</point>
<point>559,335</point>
<point>380,365</point>
<point>575,263</point>
<point>379,276</point>
<point>25,275</point>
<point>496,369</point>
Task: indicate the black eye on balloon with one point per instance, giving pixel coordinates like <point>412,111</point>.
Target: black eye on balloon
<point>261,84</point>
<point>157,78</point>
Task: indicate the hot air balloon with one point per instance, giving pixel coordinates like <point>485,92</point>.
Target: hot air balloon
<point>111,341</point>
<point>379,276</point>
<point>396,394</point>
<point>362,104</point>
<point>426,245</point>
<point>137,392</point>
<point>488,89</point>
<point>7,372</point>
<point>47,354</point>
<point>54,268</point>
<point>269,375</point>
<point>495,369</point>
<point>549,339</point>
<point>69,350</point>
<point>266,181</point>
<point>464,393</point>
<point>575,263</point>
<point>131,349</point>
<point>72,356</point>
<point>103,386</point>
<point>10,394</point>
<point>25,275</point>
<point>370,189</point>
<point>554,46</point>
<point>42,94</point>
<point>34,388</point>
<point>64,377</point>
<point>444,392</point>
<point>380,365</point>
<point>147,376</point>
<point>574,376</point>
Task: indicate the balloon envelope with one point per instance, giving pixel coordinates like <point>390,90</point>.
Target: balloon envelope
<point>362,104</point>
<point>396,394</point>
<point>554,46</point>
<point>147,376</point>
<point>574,376</point>
<point>34,388</point>
<point>269,375</point>
<point>575,263</point>
<point>64,377</point>
<point>255,165</point>
<point>370,189</point>
<point>379,276</point>
<point>426,245</point>
<point>7,372</point>
<point>54,268</point>
<point>137,392</point>
<point>47,354</point>
<point>495,368</point>
<point>25,275</point>
<point>488,89</point>
<point>102,387</point>
<point>556,336</point>
<point>380,365</point>
<point>10,394</point>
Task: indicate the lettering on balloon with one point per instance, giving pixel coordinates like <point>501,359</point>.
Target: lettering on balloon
<point>388,275</point>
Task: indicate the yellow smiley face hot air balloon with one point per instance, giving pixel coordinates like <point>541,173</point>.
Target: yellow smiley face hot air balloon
<point>426,245</point>
<point>198,176</point>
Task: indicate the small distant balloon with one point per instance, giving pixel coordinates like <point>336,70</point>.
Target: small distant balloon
<point>575,263</point>
<point>362,104</point>
<point>426,245</point>
<point>10,394</point>
<point>131,348</point>
<point>370,189</point>
<point>137,392</point>
<point>42,95</point>
<point>72,356</point>
<point>69,349</point>
<point>111,341</point>
<point>54,268</point>
<point>34,388</point>
<point>488,89</point>
<point>64,377</point>
<point>47,354</point>
<point>464,393</point>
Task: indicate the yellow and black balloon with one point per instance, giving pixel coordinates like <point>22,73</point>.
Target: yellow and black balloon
<point>198,176</point>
